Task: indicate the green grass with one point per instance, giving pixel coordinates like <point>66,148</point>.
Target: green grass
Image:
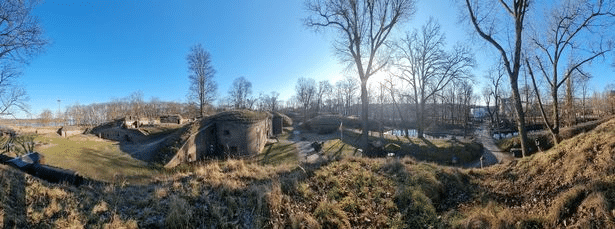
<point>337,148</point>
<point>94,158</point>
<point>432,150</point>
<point>279,153</point>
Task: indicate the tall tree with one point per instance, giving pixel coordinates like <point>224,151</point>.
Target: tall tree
<point>306,91</point>
<point>363,26</point>
<point>201,74</point>
<point>21,37</point>
<point>494,91</point>
<point>574,30</point>
<point>428,68</point>
<point>346,90</point>
<point>46,116</point>
<point>487,23</point>
<point>324,88</point>
<point>12,96</point>
<point>240,93</point>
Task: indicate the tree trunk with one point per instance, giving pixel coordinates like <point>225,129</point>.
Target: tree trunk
<point>420,120</point>
<point>570,116</point>
<point>520,116</point>
<point>555,129</point>
<point>364,110</point>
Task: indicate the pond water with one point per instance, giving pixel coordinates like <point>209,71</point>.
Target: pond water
<point>498,136</point>
<point>413,134</point>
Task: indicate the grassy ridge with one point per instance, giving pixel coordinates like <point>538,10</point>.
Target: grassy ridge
<point>94,158</point>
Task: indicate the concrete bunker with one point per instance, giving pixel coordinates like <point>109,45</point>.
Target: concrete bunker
<point>238,133</point>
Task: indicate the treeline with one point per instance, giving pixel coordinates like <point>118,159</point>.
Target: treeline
<point>133,105</point>
<point>390,101</point>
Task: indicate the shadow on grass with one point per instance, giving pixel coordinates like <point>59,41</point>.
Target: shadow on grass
<point>13,197</point>
<point>278,153</point>
<point>421,149</point>
<point>427,142</point>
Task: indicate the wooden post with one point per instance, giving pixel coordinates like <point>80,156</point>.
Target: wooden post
<point>342,131</point>
<point>481,162</point>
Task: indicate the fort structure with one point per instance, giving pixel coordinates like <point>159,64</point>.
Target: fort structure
<point>238,133</point>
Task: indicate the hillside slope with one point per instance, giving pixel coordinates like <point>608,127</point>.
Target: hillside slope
<point>572,184</point>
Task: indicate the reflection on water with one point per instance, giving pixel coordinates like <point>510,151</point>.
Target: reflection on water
<point>413,134</point>
<point>498,136</point>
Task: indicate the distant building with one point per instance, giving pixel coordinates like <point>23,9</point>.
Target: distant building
<point>176,119</point>
<point>478,112</point>
<point>125,129</point>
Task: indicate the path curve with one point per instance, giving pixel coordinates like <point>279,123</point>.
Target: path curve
<point>492,154</point>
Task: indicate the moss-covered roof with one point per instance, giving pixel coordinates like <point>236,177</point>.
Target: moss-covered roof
<point>241,116</point>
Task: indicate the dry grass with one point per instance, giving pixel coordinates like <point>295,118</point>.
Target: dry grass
<point>572,185</point>
<point>94,159</point>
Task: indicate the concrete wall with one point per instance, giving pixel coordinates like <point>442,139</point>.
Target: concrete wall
<point>119,134</point>
<point>197,147</point>
<point>243,139</point>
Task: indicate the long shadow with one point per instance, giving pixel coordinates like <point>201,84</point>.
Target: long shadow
<point>429,143</point>
<point>14,203</point>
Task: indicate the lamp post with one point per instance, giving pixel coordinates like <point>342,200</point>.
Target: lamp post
<point>59,114</point>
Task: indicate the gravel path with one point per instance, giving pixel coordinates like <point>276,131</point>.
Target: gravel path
<point>491,153</point>
<point>303,142</point>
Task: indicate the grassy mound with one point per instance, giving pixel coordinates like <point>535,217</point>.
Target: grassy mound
<point>371,193</point>
<point>571,184</point>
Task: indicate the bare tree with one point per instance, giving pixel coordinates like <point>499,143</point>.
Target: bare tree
<point>428,68</point>
<point>346,90</point>
<point>572,28</point>
<point>46,116</point>
<point>324,88</point>
<point>137,104</point>
<point>12,96</point>
<point>394,92</point>
<point>202,86</point>
<point>240,93</point>
<point>487,22</point>
<point>21,35</point>
<point>273,101</point>
<point>306,91</point>
<point>381,99</point>
<point>363,27</point>
<point>584,94</point>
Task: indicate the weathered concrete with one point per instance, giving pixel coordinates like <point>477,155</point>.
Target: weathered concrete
<point>226,134</point>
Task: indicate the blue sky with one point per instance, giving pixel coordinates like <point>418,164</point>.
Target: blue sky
<point>101,50</point>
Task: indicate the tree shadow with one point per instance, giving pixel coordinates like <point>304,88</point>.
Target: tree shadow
<point>427,142</point>
<point>14,202</point>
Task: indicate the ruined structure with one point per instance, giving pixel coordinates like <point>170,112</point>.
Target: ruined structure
<point>277,123</point>
<point>134,122</point>
<point>176,119</point>
<point>239,133</point>
<point>226,134</point>
<point>119,130</point>
<point>67,131</point>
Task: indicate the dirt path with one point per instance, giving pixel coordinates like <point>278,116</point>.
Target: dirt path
<point>303,142</point>
<point>491,153</point>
